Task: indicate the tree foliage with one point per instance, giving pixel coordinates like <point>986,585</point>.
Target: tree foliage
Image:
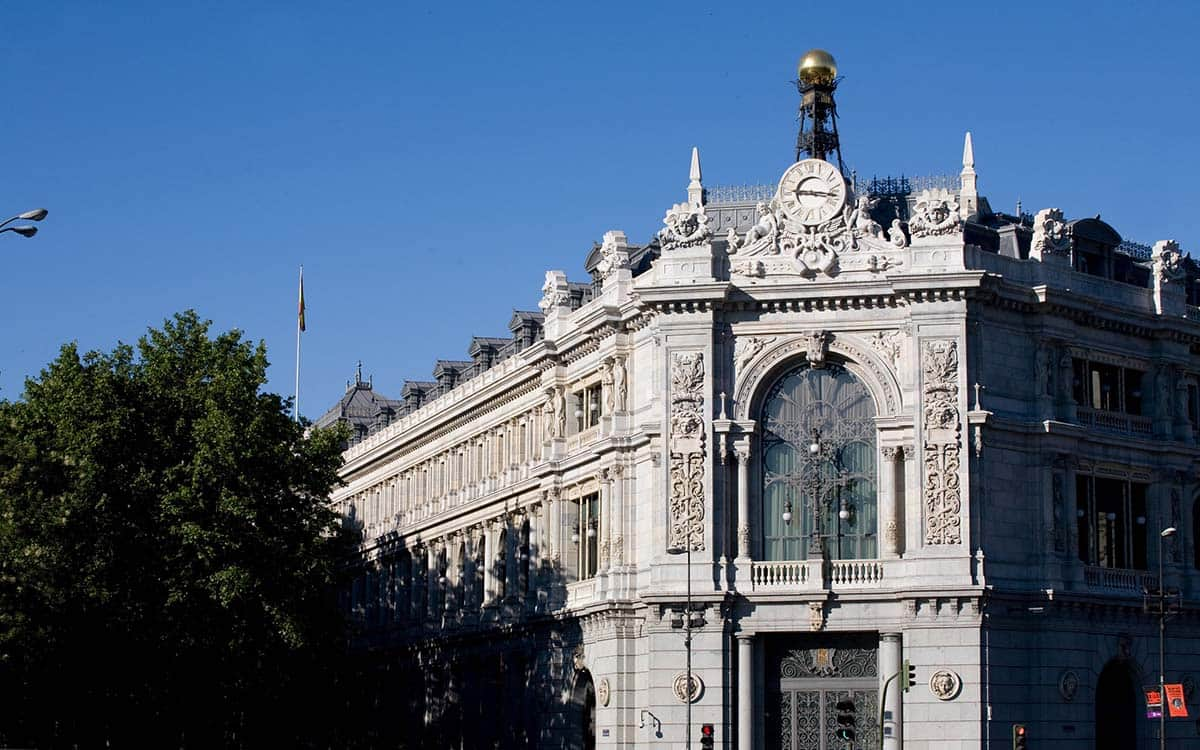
<point>167,557</point>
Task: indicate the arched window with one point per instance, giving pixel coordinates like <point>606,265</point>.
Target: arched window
<point>818,466</point>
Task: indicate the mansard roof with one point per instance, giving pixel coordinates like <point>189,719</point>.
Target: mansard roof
<point>359,406</point>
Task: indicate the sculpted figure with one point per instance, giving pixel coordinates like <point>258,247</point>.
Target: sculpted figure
<point>861,223</point>
<point>619,385</point>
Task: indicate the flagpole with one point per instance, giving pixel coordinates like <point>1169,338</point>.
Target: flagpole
<point>299,328</point>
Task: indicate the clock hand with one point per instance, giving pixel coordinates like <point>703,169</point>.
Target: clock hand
<point>812,192</point>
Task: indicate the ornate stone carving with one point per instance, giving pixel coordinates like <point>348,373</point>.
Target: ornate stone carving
<point>554,413</point>
<point>935,213</point>
<point>686,529</point>
<point>816,616</point>
<point>1050,234</point>
<point>945,684</point>
<point>891,536</point>
<point>861,223</point>
<point>883,376</point>
<point>1168,261</point>
<point>792,238</point>
<point>887,343</point>
<point>618,550</point>
<point>684,692</point>
<point>620,384</point>
<point>1068,685</point>
<point>614,254</point>
<point>896,234</point>
<point>746,348</point>
<point>685,226</point>
<point>816,346</point>
<point>829,662</point>
<point>744,536</point>
<point>579,659</point>
<point>1043,370</point>
<point>603,691</point>
<point>943,501</point>
<point>555,292</point>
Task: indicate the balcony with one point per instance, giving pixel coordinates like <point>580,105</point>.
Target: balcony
<point>1120,580</point>
<point>805,575</point>
<point>1115,421</point>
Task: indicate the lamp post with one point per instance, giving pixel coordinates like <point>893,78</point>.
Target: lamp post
<point>1162,636</point>
<point>687,629</point>
<point>25,230</point>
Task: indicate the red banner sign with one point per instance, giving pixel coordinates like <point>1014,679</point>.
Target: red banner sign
<point>1176,706</point>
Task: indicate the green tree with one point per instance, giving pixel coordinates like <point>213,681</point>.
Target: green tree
<point>167,557</point>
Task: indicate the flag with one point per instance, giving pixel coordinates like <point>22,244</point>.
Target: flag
<point>301,320</point>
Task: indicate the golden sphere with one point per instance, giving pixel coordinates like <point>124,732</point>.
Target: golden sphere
<point>817,66</point>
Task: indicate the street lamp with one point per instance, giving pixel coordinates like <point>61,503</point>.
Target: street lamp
<point>1162,635</point>
<point>25,230</point>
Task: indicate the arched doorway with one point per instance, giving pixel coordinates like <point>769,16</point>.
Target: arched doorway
<point>1116,709</point>
<point>583,699</point>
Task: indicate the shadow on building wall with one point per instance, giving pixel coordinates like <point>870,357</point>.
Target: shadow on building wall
<point>435,660</point>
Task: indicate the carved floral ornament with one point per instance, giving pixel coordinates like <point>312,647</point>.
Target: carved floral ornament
<point>687,473</point>
<point>860,360</point>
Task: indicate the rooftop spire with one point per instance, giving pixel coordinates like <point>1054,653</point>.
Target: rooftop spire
<point>695,189</point>
<point>968,203</point>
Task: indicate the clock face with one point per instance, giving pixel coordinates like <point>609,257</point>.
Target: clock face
<point>812,191</point>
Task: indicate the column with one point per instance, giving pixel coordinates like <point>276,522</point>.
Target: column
<point>618,514</point>
<point>554,524</point>
<point>890,517</point>
<point>745,691</point>
<point>431,583</point>
<point>489,563</point>
<point>914,522</point>
<point>890,654</point>
<point>605,508</point>
<point>741,451</point>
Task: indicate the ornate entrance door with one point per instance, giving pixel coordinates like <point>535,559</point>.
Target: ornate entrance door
<point>822,693</point>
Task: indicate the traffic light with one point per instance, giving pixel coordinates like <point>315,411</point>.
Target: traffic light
<point>706,736</point>
<point>908,673</point>
<point>1019,736</point>
<point>846,719</point>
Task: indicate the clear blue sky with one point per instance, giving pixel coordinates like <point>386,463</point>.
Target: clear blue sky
<point>428,162</point>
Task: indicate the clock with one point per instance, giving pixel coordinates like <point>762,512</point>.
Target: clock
<point>812,192</point>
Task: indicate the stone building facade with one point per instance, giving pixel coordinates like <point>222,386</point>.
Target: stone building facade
<point>821,434</point>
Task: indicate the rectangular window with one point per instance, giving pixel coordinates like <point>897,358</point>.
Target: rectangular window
<point>587,535</point>
<point>1111,522</point>
<point>586,407</point>
<point>1105,387</point>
